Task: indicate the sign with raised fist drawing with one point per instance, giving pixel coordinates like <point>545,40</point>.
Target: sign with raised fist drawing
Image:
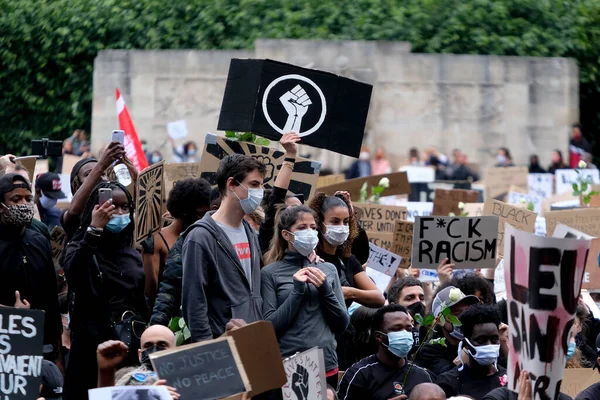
<point>271,98</point>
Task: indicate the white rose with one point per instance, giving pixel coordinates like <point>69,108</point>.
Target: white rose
<point>455,294</point>
<point>461,205</point>
<point>523,201</point>
<point>384,183</point>
<point>582,165</point>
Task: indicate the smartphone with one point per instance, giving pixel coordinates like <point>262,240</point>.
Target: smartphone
<point>118,136</point>
<point>104,195</point>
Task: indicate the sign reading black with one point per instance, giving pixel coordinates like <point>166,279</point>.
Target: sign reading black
<point>271,98</point>
<point>21,351</point>
<point>202,371</point>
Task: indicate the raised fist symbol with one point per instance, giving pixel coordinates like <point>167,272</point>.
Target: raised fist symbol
<point>296,103</point>
<point>300,383</point>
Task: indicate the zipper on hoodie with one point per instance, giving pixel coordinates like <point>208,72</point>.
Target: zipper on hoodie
<point>236,265</point>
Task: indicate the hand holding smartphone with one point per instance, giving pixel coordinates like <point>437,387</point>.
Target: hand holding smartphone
<point>104,195</point>
<point>118,136</point>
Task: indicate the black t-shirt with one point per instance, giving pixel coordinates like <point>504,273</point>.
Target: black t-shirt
<point>591,393</point>
<point>348,266</point>
<point>375,381</point>
<point>455,382</point>
<point>503,393</point>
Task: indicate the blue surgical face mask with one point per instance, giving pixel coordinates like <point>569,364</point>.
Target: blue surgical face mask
<point>191,152</point>
<point>305,241</point>
<point>571,350</point>
<point>251,203</point>
<point>457,333</point>
<point>118,222</point>
<point>400,343</point>
<point>47,202</point>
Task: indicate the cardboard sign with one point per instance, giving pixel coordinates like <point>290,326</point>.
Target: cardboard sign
<point>257,347</point>
<point>576,380</point>
<point>565,178</point>
<point>175,172</point>
<point>383,240</point>
<point>543,281</point>
<point>382,260</point>
<point>57,240</point>
<point>591,278</point>
<point>177,129</point>
<point>468,242</point>
<point>378,218</point>
<point>403,239</point>
<point>68,163</point>
<point>595,200</point>
<point>304,177</point>
<point>499,180</point>
<point>514,197</point>
<point>473,209</point>
<point>29,163</point>
<point>130,393</point>
<point>541,185</point>
<point>398,185</point>
<point>419,174</point>
<point>519,217</point>
<point>271,98</point>
<point>327,180</point>
<point>202,371</point>
<point>149,199</point>
<point>586,220</point>
<point>22,341</point>
<point>305,376</point>
<point>446,201</point>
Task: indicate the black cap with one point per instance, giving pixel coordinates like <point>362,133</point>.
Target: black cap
<point>52,381</point>
<point>49,183</point>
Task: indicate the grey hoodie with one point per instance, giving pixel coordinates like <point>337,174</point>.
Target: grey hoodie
<point>215,287</point>
<point>302,315</point>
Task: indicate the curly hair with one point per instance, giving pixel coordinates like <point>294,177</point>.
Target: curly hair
<point>471,284</point>
<point>479,314</point>
<point>187,196</point>
<point>321,204</point>
<point>285,219</point>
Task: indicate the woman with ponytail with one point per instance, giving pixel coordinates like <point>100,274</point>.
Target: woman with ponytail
<point>106,276</point>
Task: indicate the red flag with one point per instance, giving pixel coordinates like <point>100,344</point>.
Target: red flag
<point>133,147</point>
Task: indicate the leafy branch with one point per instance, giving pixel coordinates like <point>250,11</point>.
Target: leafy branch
<point>376,191</point>
<point>583,184</point>
<point>180,329</point>
<point>247,137</point>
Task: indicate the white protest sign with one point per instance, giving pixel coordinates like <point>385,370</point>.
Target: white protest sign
<point>306,376</point>
<point>499,285</point>
<point>565,178</point>
<point>380,279</point>
<point>382,260</point>
<point>65,182</point>
<point>541,185</point>
<point>543,281</point>
<point>177,129</point>
<point>515,198</point>
<point>429,275</point>
<point>418,209</point>
<point>540,226</point>
<point>419,174</point>
<point>130,393</point>
<point>468,242</point>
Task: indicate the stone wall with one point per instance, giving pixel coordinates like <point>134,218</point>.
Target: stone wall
<point>475,103</point>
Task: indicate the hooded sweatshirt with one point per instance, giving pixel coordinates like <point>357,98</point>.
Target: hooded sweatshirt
<point>302,315</point>
<point>215,287</point>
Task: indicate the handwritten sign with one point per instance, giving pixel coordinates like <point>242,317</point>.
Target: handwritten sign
<point>419,174</point>
<point>327,180</point>
<point>22,341</point>
<point>130,393</point>
<point>541,185</point>
<point>499,180</point>
<point>306,376</point>
<point>543,281</point>
<point>383,240</point>
<point>519,217</point>
<point>473,209</point>
<point>403,239</point>
<point>382,260</point>
<point>468,242</point>
<point>586,220</point>
<point>398,185</point>
<point>540,226</point>
<point>202,371</point>
<point>446,201</point>
<point>591,278</point>
<point>565,178</point>
<point>177,129</point>
<point>378,218</point>
<point>515,196</point>
<point>418,209</point>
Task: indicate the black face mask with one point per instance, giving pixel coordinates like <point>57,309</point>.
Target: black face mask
<point>145,360</point>
<point>416,308</point>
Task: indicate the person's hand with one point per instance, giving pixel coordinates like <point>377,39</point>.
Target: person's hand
<point>524,385</point>
<point>315,276</point>
<point>414,272</point>
<point>102,214</point>
<point>110,354</point>
<point>172,391</point>
<point>114,151</point>
<point>348,292</point>
<point>21,304</point>
<point>235,323</point>
<point>288,142</point>
<point>7,161</point>
<point>503,331</point>
<point>445,270</point>
<point>314,258</point>
<point>301,275</point>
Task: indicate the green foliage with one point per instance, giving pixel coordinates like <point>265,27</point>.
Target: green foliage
<point>180,329</point>
<point>47,47</point>
<point>247,137</point>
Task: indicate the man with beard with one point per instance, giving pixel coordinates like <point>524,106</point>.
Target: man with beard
<point>408,292</point>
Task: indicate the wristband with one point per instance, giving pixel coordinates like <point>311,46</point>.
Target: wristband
<point>290,159</point>
<point>94,231</point>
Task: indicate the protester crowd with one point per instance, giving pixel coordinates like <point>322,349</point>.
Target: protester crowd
<point>236,254</point>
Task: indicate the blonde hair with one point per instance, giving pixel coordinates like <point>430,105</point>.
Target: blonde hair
<point>285,219</point>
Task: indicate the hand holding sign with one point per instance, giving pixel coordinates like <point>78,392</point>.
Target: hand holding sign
<point>288,142</point>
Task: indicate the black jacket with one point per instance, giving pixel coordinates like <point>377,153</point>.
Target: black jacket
<point>26,265</point>
<point>168,299</point>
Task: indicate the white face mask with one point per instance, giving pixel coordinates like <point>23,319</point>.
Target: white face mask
<point>336,235</point>
<point>47,202</point>
<point>501,159</point>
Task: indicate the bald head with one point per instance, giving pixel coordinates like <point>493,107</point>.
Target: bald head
<point>158,337</point>
<point>427,391</point>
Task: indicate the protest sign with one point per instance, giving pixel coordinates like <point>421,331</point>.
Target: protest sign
<point>429,275</point>
<point>563,201</point>
<point>175,172</point>
<point>543,281</point>
<point>177,129</point>
<point>446,201</point>
<point>403,238</point>
<point>398,185</point>
<point>575,380</point>
<point>541,185</point>
<point>586,220</point>
<point>65,183</point>
<point>516,197</point>
<point>57,239</point>
<point>68,162</point>
<point>425,192</point>
<point>383,240</point>
<point>22,341</point>
<point>257,347</point>
<point>595,200</point>
<point>382,260</point>
<point>378,218</point>
<point>130,393</point>
<point>591,278</point>
<point>419,174</point>
<point>305,376</point>
<point>304,177</point>
<point>565,178</point>
<point>29,163</point>
<point>330,180</point>
<point>149,199</point>
<point>519,217</point>
<point>202,371</point>
<point>381,280</point>
<point>499,180</point>
<point>418,209</point>
<point>468,242</point>
<point>540,226</point>
<point>271,98</point>
<point>473,209</point>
